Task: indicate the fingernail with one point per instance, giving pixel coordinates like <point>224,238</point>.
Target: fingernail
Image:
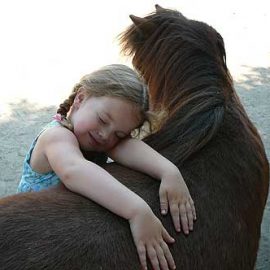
<point>163,212</point>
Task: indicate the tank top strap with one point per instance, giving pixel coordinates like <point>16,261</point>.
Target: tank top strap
<point>53,123</point>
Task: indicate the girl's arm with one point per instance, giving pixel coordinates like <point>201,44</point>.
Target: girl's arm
<point>173,190</point>
<point>139,156</point>
<point>88,179</point>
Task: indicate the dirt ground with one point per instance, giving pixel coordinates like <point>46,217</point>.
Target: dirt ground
<point>21,118</point>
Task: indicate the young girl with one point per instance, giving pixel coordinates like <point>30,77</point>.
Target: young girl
<point>97,119</point>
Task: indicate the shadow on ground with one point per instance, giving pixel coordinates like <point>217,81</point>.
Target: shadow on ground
<point>254,91</point>
<point>20,122</point>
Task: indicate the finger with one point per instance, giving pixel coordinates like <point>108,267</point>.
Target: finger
<point>142,256</point>
<point>184,219</point>
<point>152,255</point>
<point>166,236</point>
<point>193,209</point>
<point>175,216</point>
<point>168,255</point>
<point>189,216</point>
<point>163,202</point>
<point>161,257</point>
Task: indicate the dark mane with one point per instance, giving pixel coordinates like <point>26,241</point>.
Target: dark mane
<point>184,63</point>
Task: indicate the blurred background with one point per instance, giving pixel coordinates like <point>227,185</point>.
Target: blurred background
<point>47,46</point>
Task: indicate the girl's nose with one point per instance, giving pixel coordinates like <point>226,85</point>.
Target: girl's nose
<point>104,135</point>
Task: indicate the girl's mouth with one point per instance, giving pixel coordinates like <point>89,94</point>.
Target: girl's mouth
<point>93,141</point>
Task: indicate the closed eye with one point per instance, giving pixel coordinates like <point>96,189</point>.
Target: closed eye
<point>101,120</point>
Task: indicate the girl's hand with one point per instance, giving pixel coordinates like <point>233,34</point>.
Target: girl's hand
<point>173,193</point>
<point>150,238</point>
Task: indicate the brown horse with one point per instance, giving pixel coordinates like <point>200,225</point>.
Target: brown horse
<point>206,133</point>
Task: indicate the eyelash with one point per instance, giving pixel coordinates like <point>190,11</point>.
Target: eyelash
<point>105,123</point>
<point>101,120</point>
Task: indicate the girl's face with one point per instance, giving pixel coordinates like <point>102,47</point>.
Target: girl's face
<point>101,122</point>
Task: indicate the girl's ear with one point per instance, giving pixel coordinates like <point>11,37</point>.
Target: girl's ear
<point>79,98</point>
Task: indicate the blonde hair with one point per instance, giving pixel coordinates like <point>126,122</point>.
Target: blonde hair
<point>113,81</point>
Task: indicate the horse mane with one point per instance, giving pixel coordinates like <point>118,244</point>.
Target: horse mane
<point>184,64</point>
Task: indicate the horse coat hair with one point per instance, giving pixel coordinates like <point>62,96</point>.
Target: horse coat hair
<point>206,133</point>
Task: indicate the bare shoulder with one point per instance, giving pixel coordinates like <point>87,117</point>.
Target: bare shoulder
<point>57,150</point>
<point>55,141</point>
<point>59,134</point>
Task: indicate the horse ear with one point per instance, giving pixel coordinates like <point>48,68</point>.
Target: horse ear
<point>137,20</point>
<point>159,8</point>
<point>143,25</point>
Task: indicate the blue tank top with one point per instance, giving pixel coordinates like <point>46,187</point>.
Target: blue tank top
<point>34,181</point>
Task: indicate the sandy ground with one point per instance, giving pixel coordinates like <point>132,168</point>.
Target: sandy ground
<point>40,82</point>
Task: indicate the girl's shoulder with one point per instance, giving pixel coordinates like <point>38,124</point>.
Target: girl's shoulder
<point>57,133</point>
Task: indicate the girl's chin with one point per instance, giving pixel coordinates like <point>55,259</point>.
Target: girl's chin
<point>90,148</point>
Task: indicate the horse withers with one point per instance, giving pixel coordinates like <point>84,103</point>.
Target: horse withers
<point>205,132</point>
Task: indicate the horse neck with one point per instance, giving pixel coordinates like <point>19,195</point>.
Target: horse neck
<point>192,121</point>
<point>198,120</point>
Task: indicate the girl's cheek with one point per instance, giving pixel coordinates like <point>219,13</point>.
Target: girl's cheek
<point>113,143</point>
